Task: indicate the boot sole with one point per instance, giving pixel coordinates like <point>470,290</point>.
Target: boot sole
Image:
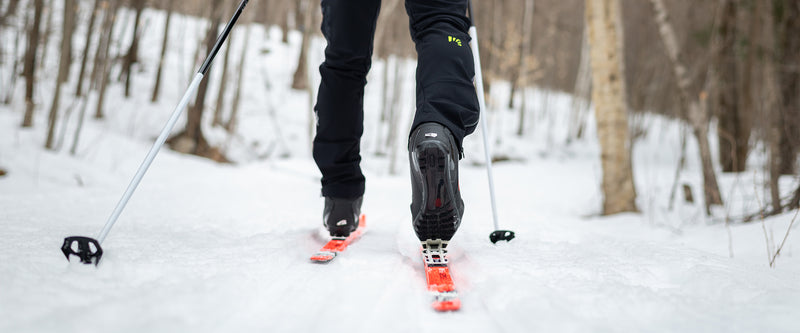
<point>438,216</point>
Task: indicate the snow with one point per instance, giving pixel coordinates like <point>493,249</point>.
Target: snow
<point>206,247</point>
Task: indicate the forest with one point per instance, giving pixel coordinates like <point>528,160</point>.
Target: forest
<point>728,64</point>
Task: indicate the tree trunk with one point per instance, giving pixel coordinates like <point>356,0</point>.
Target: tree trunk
<point>384,109</point>
<point>527,28</point>
<point>300,78</point>
<point>63,68</point>
<point>230,125</point>
<point>582,94</point>
<point>495,62</point>
<point>133,51</point>
<point>788,47</point>
<point>395,117</point>
<point>697,114</point>
<point>192,140</point>
<point>16,62</point>
<point>103,64</point>
<point>105,26</point>
<point>48,30</point>
<point>164,43</point>
<point>223,85</point>
<point>30,62</point>
<point>603,19</point>
<point>89,35</point>
<point>771,93</point>
<point>795,202</point>
<point>394,106</point>
<point>283,21</point>
<point>724,101</point>
<point>11,10</point>
<point>747,96</point>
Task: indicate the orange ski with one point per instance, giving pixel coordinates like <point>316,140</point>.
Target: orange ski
<point>437,273</point>
<point>339,244</point>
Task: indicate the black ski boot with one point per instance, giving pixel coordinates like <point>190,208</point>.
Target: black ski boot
<point>436,205</point>
<point>341,216</point>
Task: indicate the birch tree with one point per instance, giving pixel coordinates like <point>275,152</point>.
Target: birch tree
<point>603,19</point>
<point>696,114</point>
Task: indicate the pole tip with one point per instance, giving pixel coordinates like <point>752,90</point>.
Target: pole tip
<point>86,248</point>
<point>498,235</point>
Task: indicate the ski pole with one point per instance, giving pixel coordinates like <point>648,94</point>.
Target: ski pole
<point>497,234</point>
<point>87,248</point>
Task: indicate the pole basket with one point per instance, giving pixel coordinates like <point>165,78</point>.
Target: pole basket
<point>498,235</point>
<point>86,248</point>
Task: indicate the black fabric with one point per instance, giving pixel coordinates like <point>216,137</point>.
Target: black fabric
<point>445,70</point>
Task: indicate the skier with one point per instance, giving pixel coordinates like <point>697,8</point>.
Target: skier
<point>446,112</point>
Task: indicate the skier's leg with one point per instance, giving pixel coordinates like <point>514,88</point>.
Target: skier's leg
<point>447,111</point>
<point>349,27</point>
<point>445,72</point>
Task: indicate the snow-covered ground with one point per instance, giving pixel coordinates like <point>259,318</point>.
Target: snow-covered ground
<point>205,247</point>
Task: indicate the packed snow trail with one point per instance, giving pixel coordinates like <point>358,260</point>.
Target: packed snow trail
<point>210,248</point>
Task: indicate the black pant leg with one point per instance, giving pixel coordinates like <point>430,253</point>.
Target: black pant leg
<point>445,68</point>
<point>349,28</point>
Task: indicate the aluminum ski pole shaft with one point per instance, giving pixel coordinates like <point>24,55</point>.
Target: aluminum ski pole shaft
<point>473,32</point>
<point>151,155</point>
<point>497,234</point>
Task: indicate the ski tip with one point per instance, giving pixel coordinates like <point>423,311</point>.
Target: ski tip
<point>323,257</point>
<point>450,305</point>
<point>446,301</point>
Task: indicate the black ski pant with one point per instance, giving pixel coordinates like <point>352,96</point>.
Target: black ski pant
<point>445,90</point>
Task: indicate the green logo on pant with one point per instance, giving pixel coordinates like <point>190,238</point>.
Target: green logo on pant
<point>452,39</point>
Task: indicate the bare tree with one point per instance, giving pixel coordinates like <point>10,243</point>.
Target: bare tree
<point>230,125</point>
<point>582,95</point>
<point>48,29</point>
<point>164,43</point>
<point>30,62</point>
<point>603,19</point>
<point>132,56</point>
<point>103,60</point>
<point>697,114</point>
<point>223,85</point>
<point>733,128</point>
<point>305,13</point>
<point>63,68</point>
<point>17,61</point>
<point>383,50</point>
<point>527,27</point>
<point>11,10</point>
<point>787,26</point>
<point>191,140</point>
<point>89,35</point>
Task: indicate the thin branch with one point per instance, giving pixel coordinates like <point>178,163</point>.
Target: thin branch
<point>763,224</point>
<point>786,236</point>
